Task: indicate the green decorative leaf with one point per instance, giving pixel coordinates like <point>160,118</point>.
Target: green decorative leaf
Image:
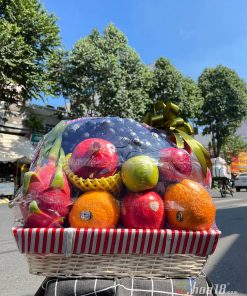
<point>179,140</point>
<point>196,148</point>
<point>179,128</point>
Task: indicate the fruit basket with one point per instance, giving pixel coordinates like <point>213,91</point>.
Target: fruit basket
<point>111,197</point>
<point>115,252</point>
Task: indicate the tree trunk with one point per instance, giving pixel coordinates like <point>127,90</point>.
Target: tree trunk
<point>219,144</point>
<point>214,144</point>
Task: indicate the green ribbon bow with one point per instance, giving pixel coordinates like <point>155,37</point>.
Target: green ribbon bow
<point>165,116</point>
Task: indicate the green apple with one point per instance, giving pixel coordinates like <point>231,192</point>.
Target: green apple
<point>140,173</point>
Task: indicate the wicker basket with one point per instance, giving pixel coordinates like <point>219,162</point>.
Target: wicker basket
<point>109,266</point>
<point>115,252</point>
<point>112,183</point>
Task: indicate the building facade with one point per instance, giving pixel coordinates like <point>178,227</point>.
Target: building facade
<point>20,131</point>
<point>31,122</point>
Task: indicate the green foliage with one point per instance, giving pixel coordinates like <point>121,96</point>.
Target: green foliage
<point>104,76</point>
<point>167,82</point>
<point>35,123</point>
<point>232,146</point>
<point>191,99</point>
<point>28,35</point>
<point>57,65</point>
<point>170,85</point>
<point>225,104</point>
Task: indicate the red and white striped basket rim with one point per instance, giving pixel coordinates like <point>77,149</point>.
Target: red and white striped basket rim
<point>70,241</point>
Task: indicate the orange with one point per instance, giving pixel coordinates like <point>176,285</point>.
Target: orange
<point>95,209</point>
<point>189,206</point>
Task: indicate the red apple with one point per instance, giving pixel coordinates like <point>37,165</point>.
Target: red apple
<point>175,164</point>
<point>143,210</point>
<point>94,158</point>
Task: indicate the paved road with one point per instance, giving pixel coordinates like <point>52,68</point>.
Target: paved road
<point>14,277</point>
<point>227,266</point>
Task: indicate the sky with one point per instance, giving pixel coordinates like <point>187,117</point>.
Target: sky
<point>192,34</point>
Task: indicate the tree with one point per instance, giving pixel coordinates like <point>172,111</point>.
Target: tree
<point>232,146</point>
<point>225,104</point>
<point>170,85</point>
<point>35,123</point>
<point>104,76</point>
<point>167,81</point>
<point>28,36</point>
<point>191,99</point>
